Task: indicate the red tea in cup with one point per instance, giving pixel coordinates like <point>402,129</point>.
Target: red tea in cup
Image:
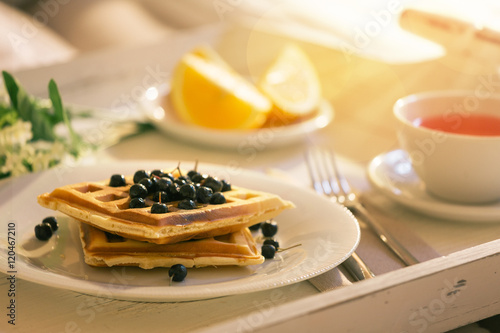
<point>453,141</point>
<point>473,124</point>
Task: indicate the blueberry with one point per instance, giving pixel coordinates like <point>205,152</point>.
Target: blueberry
<point>255,227</point>
<point>173,192</point>
<point>159,208</point>
<point>117,181</point>
<point>186,204</point>
<point>269,228</point>
<point>177,272</point>
<point>192,173</point>
<point>218,199</point>
<point>226,186</point>
<point>43,231</point>
<point>203,194</point>
<point>188,191</point>
<point>51,220</point>
<point>157,172</point>
<point>268,251</point>
<point>140,174</point>
<point>138,191</point>
<point>213,183</point>
<point>168,175</point>
<point>186,179</point>
<point>272,242</point>
<point>163,183</point>
<point>180,181</point>
<point>198,178</point>
<point>137,203</point>
<point>160,195</point>
<point>148,183</point>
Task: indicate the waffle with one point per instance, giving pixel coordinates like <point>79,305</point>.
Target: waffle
<point>105,250</point>
<point>106,208</point>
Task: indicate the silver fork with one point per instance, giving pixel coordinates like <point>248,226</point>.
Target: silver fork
<point>356,267</point>
<point>327,179</point>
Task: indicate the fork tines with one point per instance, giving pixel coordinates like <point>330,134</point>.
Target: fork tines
<point>325,178</point>
<point>328,180</point>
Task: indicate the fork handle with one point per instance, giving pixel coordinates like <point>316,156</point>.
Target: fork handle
<point>357,268</point>
<point>391,242</point>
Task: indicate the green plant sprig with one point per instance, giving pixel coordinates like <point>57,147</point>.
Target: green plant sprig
<point>43,119</point>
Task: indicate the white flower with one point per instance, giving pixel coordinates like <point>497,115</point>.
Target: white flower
<point>21,156</point>
<point>14,163</point>
<point>15,135</point>
<point>46,154</point>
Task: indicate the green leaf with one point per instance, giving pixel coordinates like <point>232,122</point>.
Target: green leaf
<point>41,127</point>
<point>27,165</point>
<point>12,88</point>
<point>25,107</point>
<point>55,97</point>
<point>8,116</point>
<point>61,113</point>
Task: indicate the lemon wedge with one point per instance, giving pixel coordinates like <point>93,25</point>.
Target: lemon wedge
<point>208,53</point>
<point>292,84</point>
<point>205,91</point>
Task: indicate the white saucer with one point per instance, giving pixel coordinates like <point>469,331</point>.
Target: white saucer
<point>166,121</point>
<point>392,173</point>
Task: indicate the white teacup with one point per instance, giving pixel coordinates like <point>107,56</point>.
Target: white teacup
<point>454,166</point>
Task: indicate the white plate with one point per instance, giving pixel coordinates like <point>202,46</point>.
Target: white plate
<point>327,232</point>
<point>392,173</point>
<point>270,137</point>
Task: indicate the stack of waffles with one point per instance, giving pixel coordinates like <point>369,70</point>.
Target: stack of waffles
<point>112,234</point>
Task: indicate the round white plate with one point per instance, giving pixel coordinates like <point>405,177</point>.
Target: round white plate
<point>270,137</point>
<point>393,174</point>
<point>328,234</point>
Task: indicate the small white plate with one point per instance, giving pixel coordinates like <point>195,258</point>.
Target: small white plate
<point>328,234</point>
<point>166,121</point>
<point>393,174</point>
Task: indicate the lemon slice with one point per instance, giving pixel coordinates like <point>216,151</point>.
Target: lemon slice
<point>208,53</point>
<point>292,84</point>
<point>207,92</point>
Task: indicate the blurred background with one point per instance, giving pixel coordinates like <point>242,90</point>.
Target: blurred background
<point>42,32</point>
<point>378,50</point>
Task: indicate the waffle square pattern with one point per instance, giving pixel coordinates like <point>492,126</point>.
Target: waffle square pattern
<point>107,208</point>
